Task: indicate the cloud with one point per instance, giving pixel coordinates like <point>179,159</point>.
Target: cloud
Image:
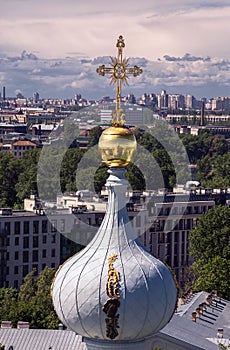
<point>183,45</point>
<point>64,77</point>
<point>186,57</point>
<point>91,28</point>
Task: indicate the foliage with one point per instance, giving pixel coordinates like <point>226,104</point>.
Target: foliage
<point>68,169</point>
<point>215,274</point>
<point>210,248</point>
<point>27,181</point>
<point>9,172</point>
<point>214,171</point>
<point>94,136</point>
<point>32,303</point>
<point>198,146</point>
<point>210,236</point>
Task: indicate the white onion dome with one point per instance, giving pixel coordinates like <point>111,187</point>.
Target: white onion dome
<point>114,289</point>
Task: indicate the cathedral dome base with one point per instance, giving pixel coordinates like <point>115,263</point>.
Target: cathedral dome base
<point>110,345</point>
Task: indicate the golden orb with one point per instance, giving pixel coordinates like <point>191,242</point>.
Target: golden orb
<point>117,146</point>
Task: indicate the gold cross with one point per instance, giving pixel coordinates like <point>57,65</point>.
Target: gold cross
<point>119,72</point>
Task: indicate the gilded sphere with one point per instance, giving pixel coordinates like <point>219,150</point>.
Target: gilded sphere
<point>117,146</point>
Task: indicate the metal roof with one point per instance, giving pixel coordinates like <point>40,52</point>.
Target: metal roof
<point>41,339</point>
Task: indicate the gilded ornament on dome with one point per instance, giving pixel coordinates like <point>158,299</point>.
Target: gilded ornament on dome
<point>112,304</point>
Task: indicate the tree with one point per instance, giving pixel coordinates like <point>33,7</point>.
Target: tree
<point>215,274</point>
<point>8,304</point>
<point>198,146</point>
<point>32,303</point>
<point>9,172</point>
<point>94,136</point>
<point>210,248</point>
<point>27,181</point>
<point>44,315</point>
<point>210,237</point>
<point>214,171</point>
<point>68,169</point>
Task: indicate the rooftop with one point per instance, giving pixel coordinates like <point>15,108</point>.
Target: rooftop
<point>181,332</point>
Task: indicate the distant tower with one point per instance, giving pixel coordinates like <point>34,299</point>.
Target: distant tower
<point>163,100</point>
<point>4,93</point>
<point>35,97</point>
<point>202,114</point>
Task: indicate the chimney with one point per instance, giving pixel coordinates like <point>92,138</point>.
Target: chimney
<point>23,325</point>
<point>194,316</point>
<point>6,324</point>
<point>220,332</point>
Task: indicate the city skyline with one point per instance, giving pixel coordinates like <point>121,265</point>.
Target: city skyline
<point>54,49</point>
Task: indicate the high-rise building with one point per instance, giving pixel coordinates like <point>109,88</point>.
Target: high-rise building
<point>162,100</point>
<point>4,93</point>
<point>35,97</point>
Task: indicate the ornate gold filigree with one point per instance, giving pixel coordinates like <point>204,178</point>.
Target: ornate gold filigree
<point>119,72</point>
<point>112,304</point>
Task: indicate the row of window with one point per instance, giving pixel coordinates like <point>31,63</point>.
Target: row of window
<point>27,239</point>
<point>35,255</point>
<point>19,227</point>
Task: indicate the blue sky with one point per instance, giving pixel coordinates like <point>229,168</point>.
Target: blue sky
<point>161,32</point>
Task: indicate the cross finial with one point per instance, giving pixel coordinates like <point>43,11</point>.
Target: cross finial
<point>119,72</point>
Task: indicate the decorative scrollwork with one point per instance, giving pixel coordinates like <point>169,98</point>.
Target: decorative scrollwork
<point>112,304</point>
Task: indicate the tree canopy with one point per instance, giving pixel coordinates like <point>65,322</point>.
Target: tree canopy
<point>9,173</point>
<point>210,248</point>
<point>32,303</point>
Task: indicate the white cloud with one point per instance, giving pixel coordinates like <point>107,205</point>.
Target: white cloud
<point>153,29</point>
<point>65,77</point>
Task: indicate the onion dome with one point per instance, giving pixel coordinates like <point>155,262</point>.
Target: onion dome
<point>114,289</point>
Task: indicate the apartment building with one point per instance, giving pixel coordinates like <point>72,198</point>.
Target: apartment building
<point>33,238</point>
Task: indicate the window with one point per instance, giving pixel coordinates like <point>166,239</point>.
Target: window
<point>25,257</point>
<point>44,226</point>
<point>89,221</point>
<point>54,226</point>
<point>15,270</point>
<point>53,253</point>
<point>35,255</point>
<point>53,238</point>
<point>138,221</point>
<point>35,242</point>
<point>43,266</point>
<point>25,270</point>
<point>16,241</point>
<point>16,284</point>
<point>62,225</point>
<point>17,228</point>
<point>16,255</point>
<point>44,239</point>
<point>53,265</point>
<point>35,226</point>
<point>26,227</point>
<point>44,253</point>
<point>26,242</point>
<point>7,228</point>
